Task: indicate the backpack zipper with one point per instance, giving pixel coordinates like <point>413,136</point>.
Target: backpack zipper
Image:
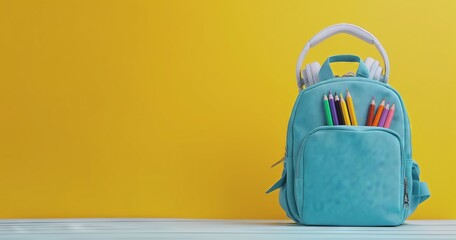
<point>406,196</point>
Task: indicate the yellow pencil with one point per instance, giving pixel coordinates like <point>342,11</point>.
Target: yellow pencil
<point>344,110</point>
<point>351,109</point>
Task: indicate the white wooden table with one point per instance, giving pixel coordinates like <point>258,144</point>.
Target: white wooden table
<point>213,229</point>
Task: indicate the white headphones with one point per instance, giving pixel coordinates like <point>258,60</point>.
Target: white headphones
<point>309,75</point>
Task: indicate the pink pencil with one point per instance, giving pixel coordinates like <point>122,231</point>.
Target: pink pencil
<point>389,118</point>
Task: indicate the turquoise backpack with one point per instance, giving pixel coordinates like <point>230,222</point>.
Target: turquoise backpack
<point>348,175</point>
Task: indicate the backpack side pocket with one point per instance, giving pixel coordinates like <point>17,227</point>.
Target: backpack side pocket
<point>420,190</point>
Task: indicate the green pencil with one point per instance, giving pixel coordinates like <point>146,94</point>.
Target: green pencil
<point>329,120</point>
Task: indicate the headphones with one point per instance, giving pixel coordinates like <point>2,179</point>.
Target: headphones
<point>310,75</point>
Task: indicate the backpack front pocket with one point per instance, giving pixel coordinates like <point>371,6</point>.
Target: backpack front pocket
<point>351,176</point>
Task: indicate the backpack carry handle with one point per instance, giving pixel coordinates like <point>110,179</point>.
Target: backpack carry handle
<point>348,29</point>
<point>327,73</point>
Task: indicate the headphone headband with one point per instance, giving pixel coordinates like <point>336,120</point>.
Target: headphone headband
<point>348,29</point>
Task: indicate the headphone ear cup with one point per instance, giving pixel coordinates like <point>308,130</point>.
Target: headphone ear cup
<point>373,69</point>
<point>373,66</point>
<point>305,81</point>
<point>315,71</point>
<point>368,62</point>
<point>309,75</point>
<point>378,74</point>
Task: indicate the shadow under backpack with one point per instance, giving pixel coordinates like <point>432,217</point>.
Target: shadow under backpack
<point>348,175</point>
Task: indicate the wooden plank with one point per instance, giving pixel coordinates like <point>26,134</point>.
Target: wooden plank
<point>213,229</point>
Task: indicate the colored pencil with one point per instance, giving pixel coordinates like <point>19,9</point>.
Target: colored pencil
<point>384,114</point>
<point>340,116</point>
<point>332,106</point>
<point>351,110</point>
<point>329,120</point>
<point>389,118</point>
<point>371,111</point>
<point>344,110</point>
<point>379,113</point>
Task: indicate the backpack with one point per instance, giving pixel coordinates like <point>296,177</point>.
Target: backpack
<point>345,175</point>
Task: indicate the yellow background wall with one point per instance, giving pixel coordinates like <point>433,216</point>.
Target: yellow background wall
<point>178,108</point>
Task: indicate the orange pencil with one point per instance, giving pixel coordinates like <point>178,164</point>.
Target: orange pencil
<point>379,113</point>
<point>370,114</point>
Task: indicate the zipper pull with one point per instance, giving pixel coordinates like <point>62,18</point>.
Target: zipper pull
<point>349,74</point>
<point>406,196</point>
<point>281,160</point>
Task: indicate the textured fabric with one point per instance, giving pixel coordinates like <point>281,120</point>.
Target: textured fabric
<point>349,175</point>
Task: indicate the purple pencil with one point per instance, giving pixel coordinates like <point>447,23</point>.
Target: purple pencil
<point>381,123</point>
<point>332,106</point>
